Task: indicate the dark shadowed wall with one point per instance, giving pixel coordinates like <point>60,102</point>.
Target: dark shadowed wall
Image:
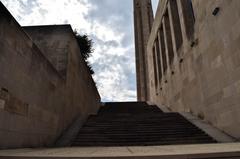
<point>45,84</point>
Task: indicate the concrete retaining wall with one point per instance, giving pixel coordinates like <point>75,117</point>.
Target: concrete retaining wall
<point>39,99</point>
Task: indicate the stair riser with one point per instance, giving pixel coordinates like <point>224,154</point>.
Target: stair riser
<point>134,124</point>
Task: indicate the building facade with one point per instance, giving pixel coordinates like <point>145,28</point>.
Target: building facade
<point>193,60</point>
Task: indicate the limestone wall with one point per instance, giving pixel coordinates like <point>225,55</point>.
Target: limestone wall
<point>204,77</point>
<point>37,101</point>
<point>53,41</point>
<point>143,20</point>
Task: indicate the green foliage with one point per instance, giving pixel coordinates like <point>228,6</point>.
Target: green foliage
<point>86,48</point>
<point>90,68</point>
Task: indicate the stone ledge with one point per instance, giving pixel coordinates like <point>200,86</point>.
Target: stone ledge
<point>215,133</point>
<point>166,152</point>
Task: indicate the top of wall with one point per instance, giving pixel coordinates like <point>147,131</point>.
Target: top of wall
<point>6,17</point>
<point>53,41</point>
<point>49,28</point>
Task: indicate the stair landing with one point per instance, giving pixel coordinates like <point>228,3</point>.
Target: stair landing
<point>202,151</point>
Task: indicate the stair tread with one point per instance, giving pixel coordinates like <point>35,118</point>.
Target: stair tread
<point>136,124</point>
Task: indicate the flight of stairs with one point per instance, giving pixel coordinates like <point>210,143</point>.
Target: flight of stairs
<point>138,124</point>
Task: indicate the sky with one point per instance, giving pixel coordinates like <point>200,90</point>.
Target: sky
<point>108,22</point>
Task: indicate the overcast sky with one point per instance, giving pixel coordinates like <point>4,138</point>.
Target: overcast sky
<point>110,25</point>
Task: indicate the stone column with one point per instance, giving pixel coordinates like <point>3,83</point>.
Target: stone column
<point>160,56</point>
<point>186,18</point>
<point>155,66</point>
<point>168,40</point>
<point>143,20</point>
<point>163,50</point>
<point>174,18</point>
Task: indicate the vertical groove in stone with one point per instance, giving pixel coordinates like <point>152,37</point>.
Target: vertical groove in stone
<point>188,17</point>
<point>159,73</point>
<point>163,49</point>
<point>168,38</point>
<point>175,23</point>
<point>155,65</point>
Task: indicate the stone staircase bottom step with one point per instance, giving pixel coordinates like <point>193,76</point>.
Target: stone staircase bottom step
<point>203,151</point>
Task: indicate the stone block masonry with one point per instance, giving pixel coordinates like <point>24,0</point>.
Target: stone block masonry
<point>143,19</point>
<point>44,84</point>
<point>13,104</point>
<point>202,75</point>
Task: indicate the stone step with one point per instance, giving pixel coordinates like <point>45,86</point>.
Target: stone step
<point>140,143</point>
<point>139,133</point>
<point>145,114</point>
<point>139,122</point>
<point>128,139</point>
<point>128,130</point>
<point>176,151</point>
<point>141,129</point>
<point>132,119</point>
<point>133,124</point>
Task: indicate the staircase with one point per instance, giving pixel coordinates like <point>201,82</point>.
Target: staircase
<point>141,131</point>
<point>138,124</point>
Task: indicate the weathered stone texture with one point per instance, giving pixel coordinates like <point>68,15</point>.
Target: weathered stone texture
<point>38,100</point>
<point>53,43</point>
<point>143,19</point>
<point>204,76</point>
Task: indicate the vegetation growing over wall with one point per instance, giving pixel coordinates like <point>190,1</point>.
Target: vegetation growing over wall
<point>86,47</point>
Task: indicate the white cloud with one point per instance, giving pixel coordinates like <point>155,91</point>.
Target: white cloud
<point>108,22</point>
